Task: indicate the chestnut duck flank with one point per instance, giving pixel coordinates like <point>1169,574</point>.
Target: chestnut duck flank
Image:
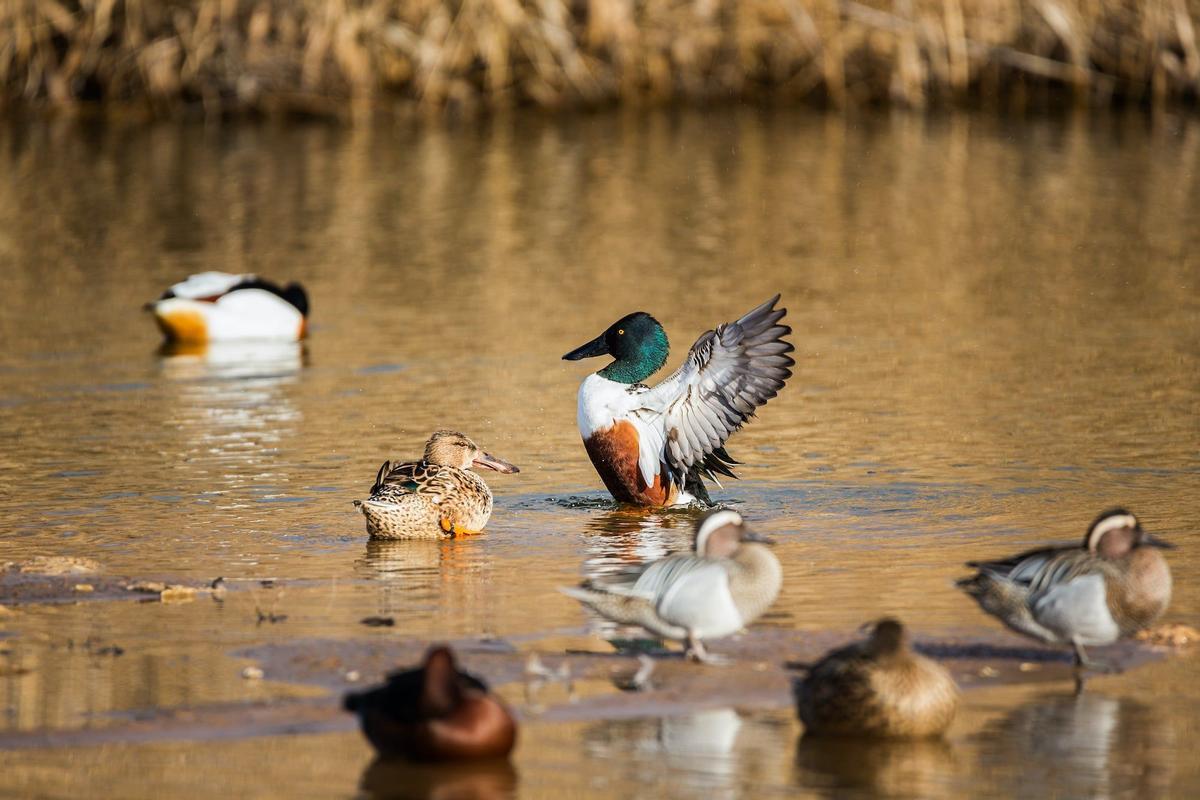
<point>435,497</point>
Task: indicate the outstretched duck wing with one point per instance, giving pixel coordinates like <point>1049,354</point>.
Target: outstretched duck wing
<point>413,477</point>
<point>728,374</point>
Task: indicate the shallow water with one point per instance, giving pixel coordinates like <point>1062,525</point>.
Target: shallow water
<point>997,331</point>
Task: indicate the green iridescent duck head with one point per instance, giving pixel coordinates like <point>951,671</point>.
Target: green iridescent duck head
<point>638,343</point>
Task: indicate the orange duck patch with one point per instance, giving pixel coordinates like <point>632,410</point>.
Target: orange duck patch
<point>614,452</point>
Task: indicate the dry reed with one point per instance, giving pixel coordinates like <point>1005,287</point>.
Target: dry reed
<point>332,57</point>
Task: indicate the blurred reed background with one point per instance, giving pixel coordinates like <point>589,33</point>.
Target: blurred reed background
<point>344,58</point>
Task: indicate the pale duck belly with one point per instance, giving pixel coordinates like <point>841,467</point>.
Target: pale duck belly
<point>1078,610</point>
<point>702,605</point>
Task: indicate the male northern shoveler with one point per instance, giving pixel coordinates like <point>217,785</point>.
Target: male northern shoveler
<point>652,445</point>
<point>1114,585</point>
<point>435,712</point>
<point>879,687</point>
<point>218,306</point>
<point>435,497</point>
<point>727,582</point>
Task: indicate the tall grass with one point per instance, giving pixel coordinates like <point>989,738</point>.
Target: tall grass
<point>338,57</point>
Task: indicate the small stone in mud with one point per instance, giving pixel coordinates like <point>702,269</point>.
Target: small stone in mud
<point>84,588</point>
<point>59,565</point>
<point>252,673</point>
<point>1175,635</point>
<point>353,675</point>
<point>178,594</point>
<point>988,672</point>
<point>146,587</point>
<point>1029,666</point>
<point>378,622</point>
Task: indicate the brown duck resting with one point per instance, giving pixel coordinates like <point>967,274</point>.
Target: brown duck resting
<point>435,497</point>
<point>877,688</point>
<point>434,712</point>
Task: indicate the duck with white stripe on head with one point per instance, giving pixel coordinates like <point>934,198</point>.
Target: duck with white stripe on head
<point>729,580</point>
<point>1114,585</point>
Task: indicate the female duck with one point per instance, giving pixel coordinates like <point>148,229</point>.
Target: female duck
<point>652,446</point>
<point>727,583</point>
<point>878,688</point>
<point>435,497</point>
<point>218,306</point>
<point>1114,585</point>
<point>434,712</point>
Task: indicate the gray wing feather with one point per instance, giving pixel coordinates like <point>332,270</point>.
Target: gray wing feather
<point>729,373</point>
<point>1043,570</point>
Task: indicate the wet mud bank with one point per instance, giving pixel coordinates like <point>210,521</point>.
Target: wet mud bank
<point>566,677</point>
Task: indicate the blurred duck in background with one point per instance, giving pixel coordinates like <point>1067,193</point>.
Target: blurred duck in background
<point>219,306</point>
<point>729,581</point>
<point>1114,585</point>
<point>434,712</point>
<point>877,688</point>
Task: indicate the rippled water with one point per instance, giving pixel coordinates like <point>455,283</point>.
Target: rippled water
<point>998,334</point>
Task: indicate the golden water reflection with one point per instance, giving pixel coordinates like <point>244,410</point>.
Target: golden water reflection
<point>997,335</point>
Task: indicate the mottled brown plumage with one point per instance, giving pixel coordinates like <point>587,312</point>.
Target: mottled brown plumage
<point>434,712</point>
<point>435,497</point>
<point>878,687</point>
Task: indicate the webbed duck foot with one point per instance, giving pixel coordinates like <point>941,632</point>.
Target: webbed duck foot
<point>454,529</point>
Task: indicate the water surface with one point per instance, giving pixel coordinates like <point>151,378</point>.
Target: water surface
<point>997,331</point>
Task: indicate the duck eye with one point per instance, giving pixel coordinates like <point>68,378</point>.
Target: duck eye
<point>620,331</point>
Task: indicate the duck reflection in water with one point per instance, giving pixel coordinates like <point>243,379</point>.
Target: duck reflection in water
<point>397,779</point>
<point>1080,745</point>
<point>421,577</point>
<point>703,741</point>
<point>886,767</point>
<point>234,405</point>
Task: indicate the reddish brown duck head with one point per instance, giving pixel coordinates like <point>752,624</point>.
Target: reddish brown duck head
<point>434,713</point>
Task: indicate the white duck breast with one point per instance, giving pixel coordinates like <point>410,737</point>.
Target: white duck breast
<point>692,593</point>
<point>604,403</point>
<point>1078,609</point>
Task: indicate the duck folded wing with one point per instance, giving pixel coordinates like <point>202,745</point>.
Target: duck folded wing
<point>412,477</point>
<point>1042,570</point>
<point>684,421</point>
<point>205,285</point>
